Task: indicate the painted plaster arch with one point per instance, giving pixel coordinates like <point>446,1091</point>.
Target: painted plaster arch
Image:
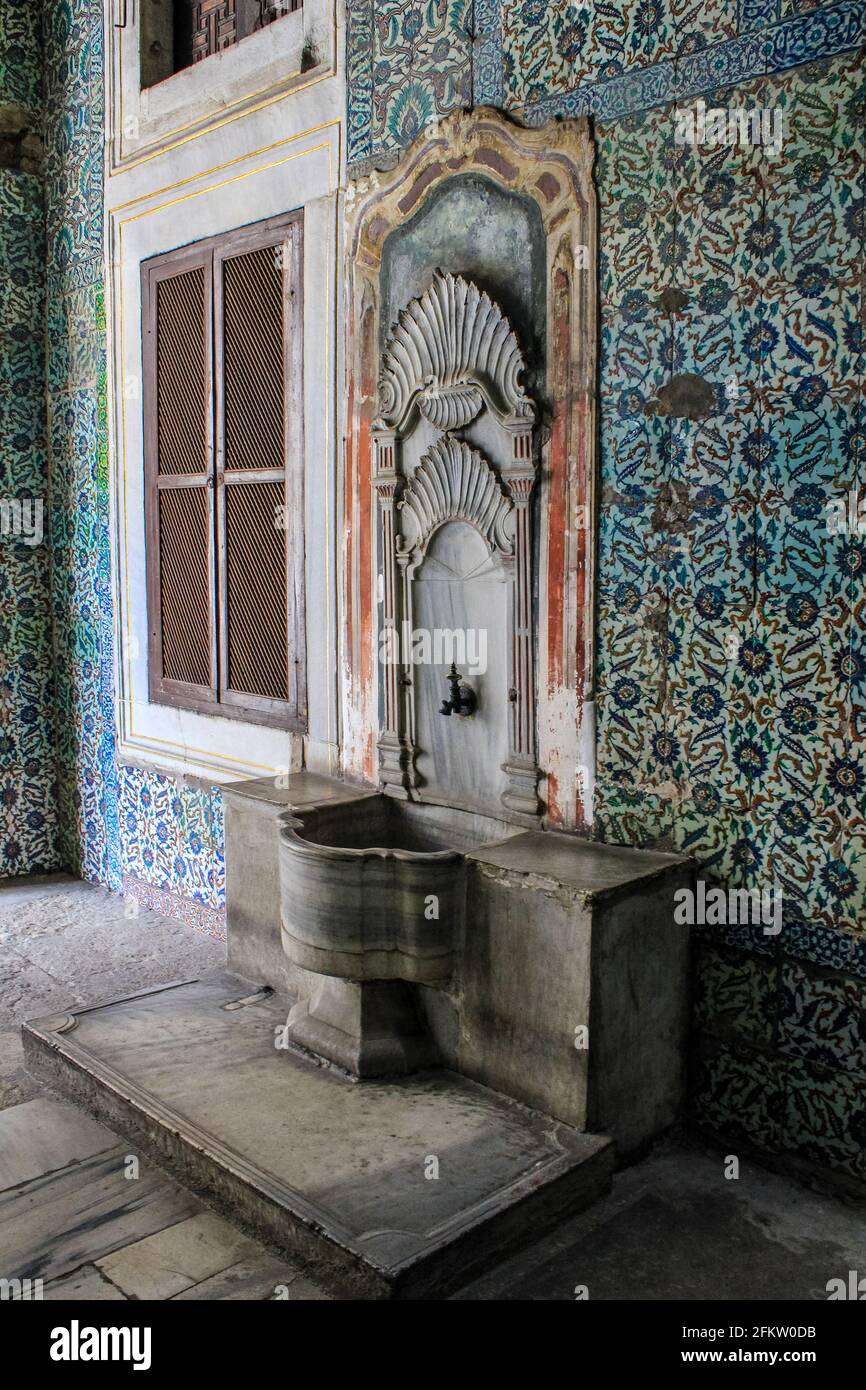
<point>552,165</point>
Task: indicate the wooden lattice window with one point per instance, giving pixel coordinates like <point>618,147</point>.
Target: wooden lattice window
<point>203,27</point>
<point>177,33</point>
<point>223,422</point>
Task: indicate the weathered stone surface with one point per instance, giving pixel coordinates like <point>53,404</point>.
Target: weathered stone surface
<point>356,878</point>
<point>342,1175</point>
<point>177,1257</point>
<point>59,1221</point>
<point>16,1084</point>
<point>43,1135</point>
<point>48,928</point>
<point>252,812</point>
<point>86,1285</point>
<point>564,935</point>
<point>675,1227</point>
<point>367,1028</point>
<point>25,989</point>
<point>261,1278</point>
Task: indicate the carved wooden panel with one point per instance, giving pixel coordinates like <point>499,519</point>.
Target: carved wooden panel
<point>224,474</point>
<point>217,24</point>
<point>214,26</point>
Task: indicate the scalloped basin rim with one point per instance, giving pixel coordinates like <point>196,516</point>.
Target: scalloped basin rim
<point>314,850</point>
<point>356,883</point>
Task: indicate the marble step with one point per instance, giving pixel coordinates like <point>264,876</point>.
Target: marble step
<point>402,1188</point>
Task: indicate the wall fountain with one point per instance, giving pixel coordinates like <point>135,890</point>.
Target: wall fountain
<point>429,958</point>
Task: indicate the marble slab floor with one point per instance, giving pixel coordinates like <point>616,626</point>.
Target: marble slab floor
<point>673,1228</point>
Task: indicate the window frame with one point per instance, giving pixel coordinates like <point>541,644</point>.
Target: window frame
<point>218,698</point>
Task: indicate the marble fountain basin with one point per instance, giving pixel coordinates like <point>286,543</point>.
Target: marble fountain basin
<point>374,888</point>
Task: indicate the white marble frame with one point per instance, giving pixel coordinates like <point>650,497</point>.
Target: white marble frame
<point>297,172</point>
<point>264,68</point>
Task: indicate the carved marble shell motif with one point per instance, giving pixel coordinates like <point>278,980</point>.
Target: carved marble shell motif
<point>451,352</point>
<point>453,482</point>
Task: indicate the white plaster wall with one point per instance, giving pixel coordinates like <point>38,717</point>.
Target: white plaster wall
<point>244,161</point>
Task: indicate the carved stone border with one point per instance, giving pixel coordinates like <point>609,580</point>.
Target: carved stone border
<point>553,166</point>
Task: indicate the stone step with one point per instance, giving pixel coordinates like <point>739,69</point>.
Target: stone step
<point>400,1188</point>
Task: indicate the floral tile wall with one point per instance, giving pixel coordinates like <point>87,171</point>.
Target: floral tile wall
<point>135,831</point>
<point>779,1057</point>
<point>172,837</point>
<point>28,787</point>
<point>732,664</point>
<point>731,650</point>
<point>77,434</point>
<point>411,62</point>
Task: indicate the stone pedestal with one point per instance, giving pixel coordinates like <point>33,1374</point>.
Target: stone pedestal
<point>405,1188</point>
<point>569,989</point>
<point>574,985</point>
<point>367,1028</point>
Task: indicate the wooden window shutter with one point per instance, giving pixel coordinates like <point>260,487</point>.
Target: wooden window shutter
<point>178,369</point>
<point>223,413</point>
<point>259,468</point>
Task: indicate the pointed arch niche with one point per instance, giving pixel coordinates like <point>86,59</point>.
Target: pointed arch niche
<point>456,419</point>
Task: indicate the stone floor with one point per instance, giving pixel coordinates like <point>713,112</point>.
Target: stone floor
<point>674,1226</point>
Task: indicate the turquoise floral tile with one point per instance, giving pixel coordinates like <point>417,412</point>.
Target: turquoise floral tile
<point>807,648</point>
<point>711,158</point>
<point>821,946</point>
<point>841,880</point>
<point>549,47</point>
<point>735,994</point>
<point>421,68</point>
<point>801,342</point>
<point>825,1117</point>
<point>817,236</point>
<point>172,836</point>
<point>635,352</point>
<point>740,1092</point>
<point>640,251</point>
<point>723,244</point>
<point>697,23</point>
<point>555,47</point>
<point>858,956</point>
<point>634,447</point>
<point>22,302</point>
<point>822,106</point>
<point>628,815</point>
<point>822,1018</point>
<point>650,35</point>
